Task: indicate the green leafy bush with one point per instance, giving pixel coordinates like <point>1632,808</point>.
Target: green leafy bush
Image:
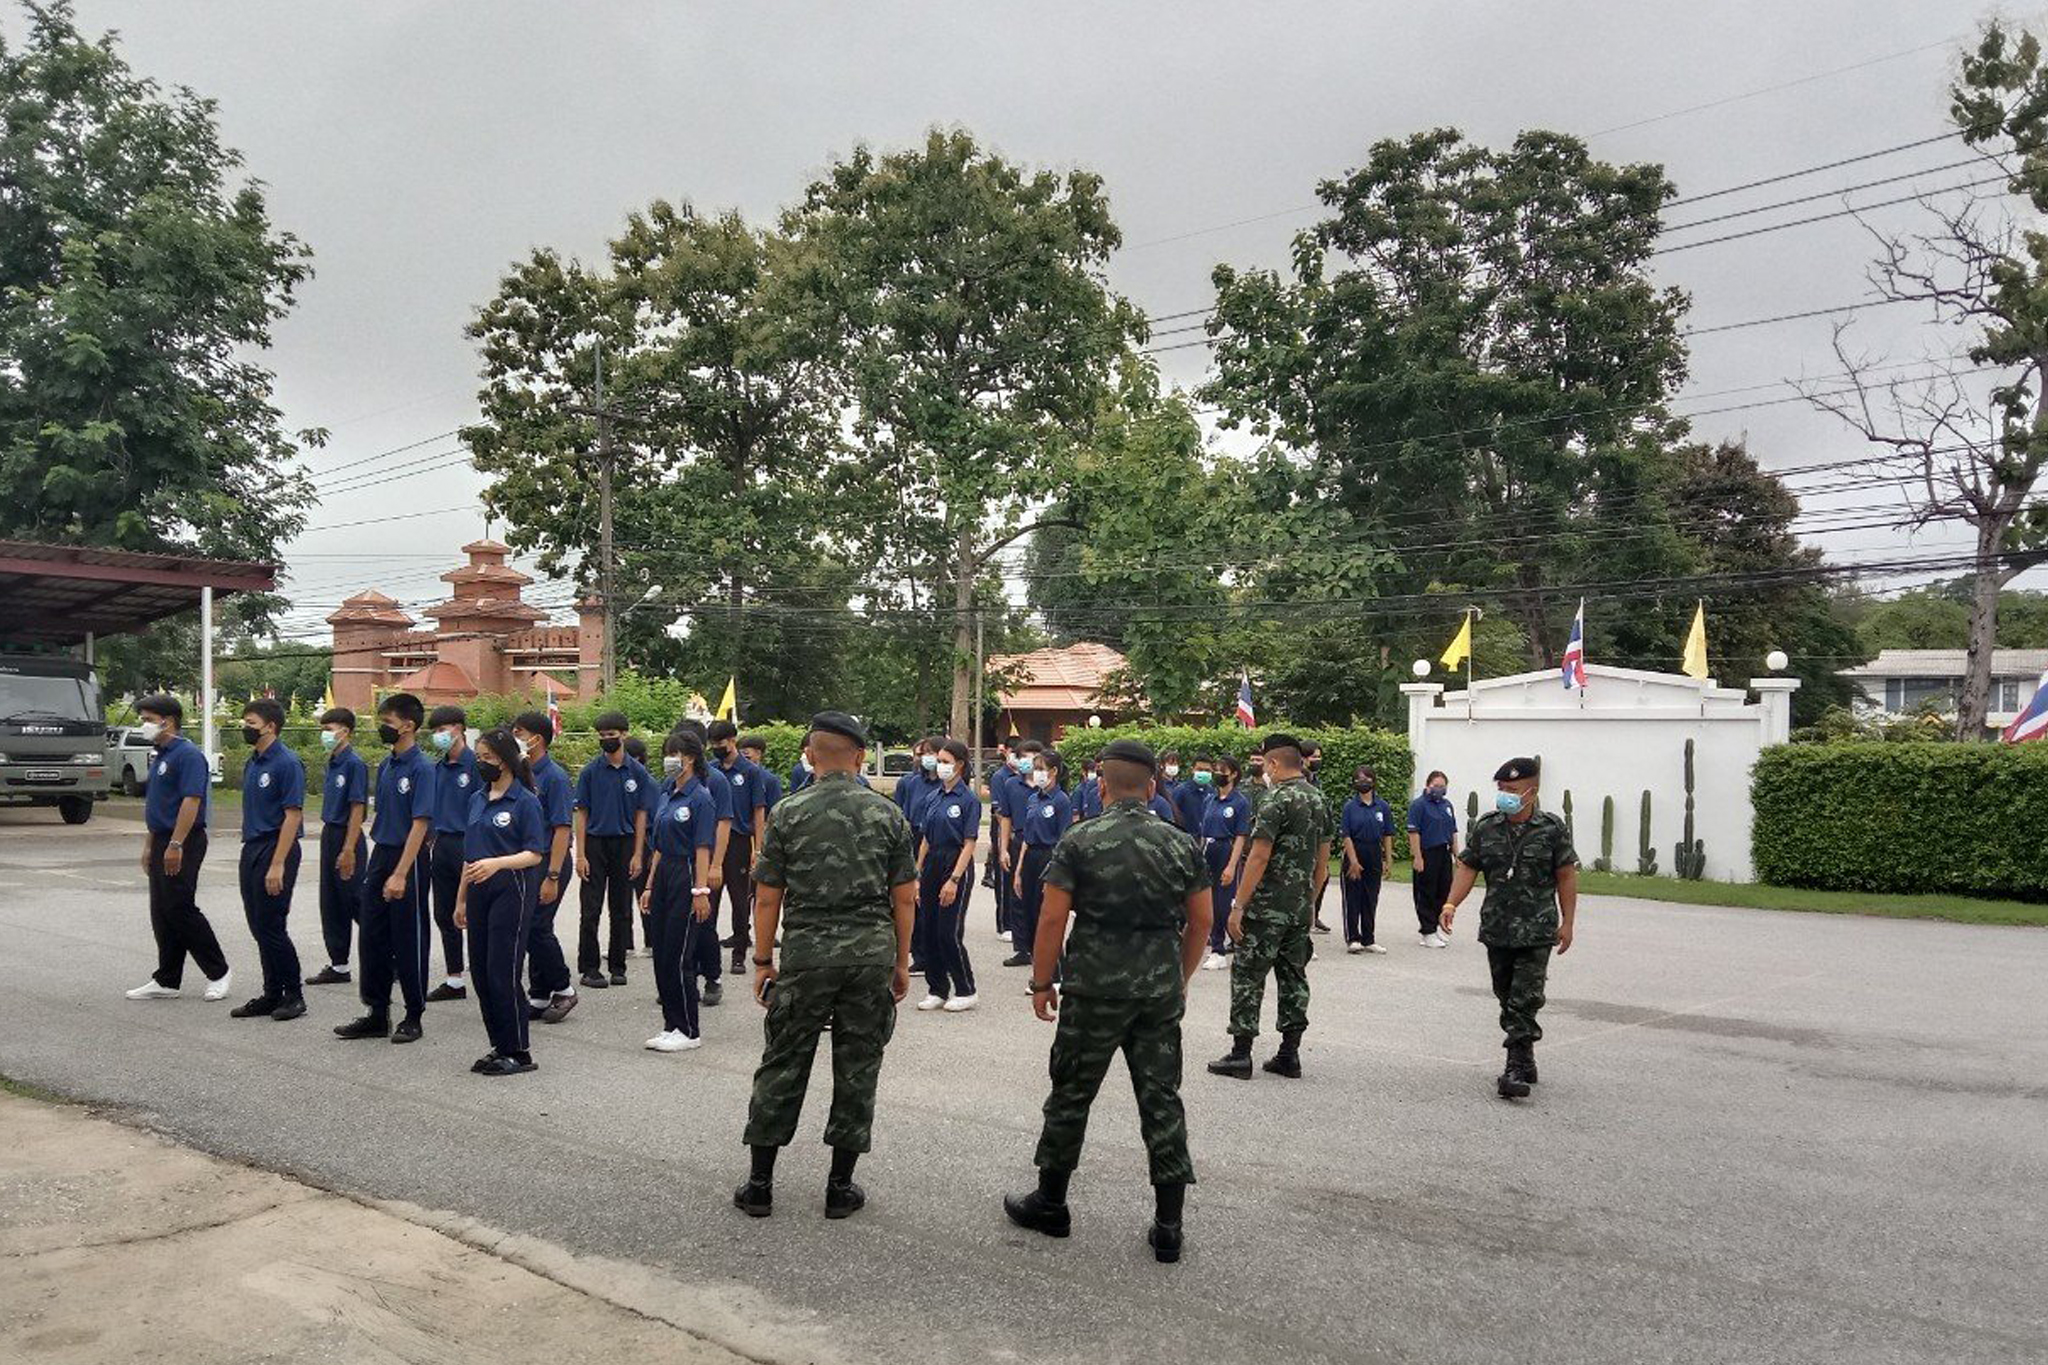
<point>1898,817</point>
<point>1344,750</point>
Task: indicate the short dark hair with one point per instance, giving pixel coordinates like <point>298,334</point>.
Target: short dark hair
<point>162,704</point>
<point>1436,773</point>
<point>447,715</point>
<point>720,730</point>
<point>636,749</point>
<point>339,715</point>
<point>612,720</point>
<point>1124,777</point>
<point>267,709</point>
<point>1170,756</point>
<point>955,750</point>
<point>1226,761</point>
<point>1031,746</point>
<point>1013,741</point>
<point>403,705</point>
<point>535,723</point>
<point>695,727</point>
<point>754,742</point>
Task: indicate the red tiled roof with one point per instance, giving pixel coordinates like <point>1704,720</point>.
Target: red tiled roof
<point>1065,679</point>
<point>439,676</point>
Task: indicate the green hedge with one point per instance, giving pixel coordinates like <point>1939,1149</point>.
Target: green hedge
<point>1343,751</point>
<point>1901,818</point>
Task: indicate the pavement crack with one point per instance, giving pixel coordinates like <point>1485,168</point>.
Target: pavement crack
<point>164,1235</point>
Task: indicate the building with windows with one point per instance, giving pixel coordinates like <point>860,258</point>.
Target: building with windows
<point>1903,681</point>
<point>1051,691</point>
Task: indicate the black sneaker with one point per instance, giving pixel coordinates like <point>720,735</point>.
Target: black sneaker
<point>505,1066</point>
<point>327,976</point>
<point>844,1201</point>
<point>1284,1063</point>
<point>1039,1214</point>
<point>618,978</point>
<point>1017,960</point>
<point>755,1198</point>
<point>292,1008</point>
<point>262,1005</point>
<point>366,1026</point>
<point>1231,1064</point>
<point>739,962</point>
<point>595,980</point>
<point>713,994</point>
<point>1164,1239</point>
<point>558,1008</point>
<point>445,991</point>
<point>408,1031</point>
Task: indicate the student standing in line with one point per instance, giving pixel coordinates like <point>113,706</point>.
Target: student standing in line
<point>273,811</point>
<point>344,798</point>
<point>455,786</point>
<point>1043,817</point>
<point>949,828</point>
<point>914,790</point>
<point>754,749</point>
<point>636,749</point>
<point>611,842</point>
<point>1432,844</point>
<point>1009,813</point>
<point>395,918</point>
<point>705,960</point>
<point>1191,797</point>
<point>996,794</point>
<point>551,991</point>
<point>678,895</point>
<point>1226,825</point>
<point>1088,796</point>
<point>503,848</point>
<point>749,814</point>
<point>1368,828</point>
<point>173,849</point>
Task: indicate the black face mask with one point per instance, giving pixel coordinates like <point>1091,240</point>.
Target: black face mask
<point>250,734</point>
<point>610,746</point>
<point>1365,789</point>
<point>488,773</point>
<point>387,733</point>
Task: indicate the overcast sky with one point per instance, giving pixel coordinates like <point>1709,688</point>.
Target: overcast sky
<point>421,148</point>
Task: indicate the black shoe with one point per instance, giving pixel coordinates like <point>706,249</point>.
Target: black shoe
<point>504,1066</point>
<point>444,991</point>
<point>1034,1211</point>
<point>1511,1085</point>
<point>755,1198</point>
<point>739,962</point>
<point>480,1063</point>
<point>1529,1063</point>
<point>408,1031</point>
<point>731,941</point>
<point>618,978</point>
<point>1237,1063</point>
<point>327,976</point>
<point>249,1009</point>
<point>558,1008</point>
<point>1164,1239</point>
<point>1319,928</point>
<point>1284,1063</point>
<point>844,1201</point>
<point>1017,960</point>
<point>368,1026</point>
<point>712,994</point>
<point>289,1009</point>
<point>595,980</point>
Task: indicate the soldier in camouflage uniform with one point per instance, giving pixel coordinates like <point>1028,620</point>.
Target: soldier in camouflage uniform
<point>1532,896</point>
<point>1139,894</point>
<point>1283,877</point>
<point>837,858</point>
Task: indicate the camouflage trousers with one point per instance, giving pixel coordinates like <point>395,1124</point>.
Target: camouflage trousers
<point>857,1004</point>
<point>1284,950</point>
<point>1518,978</point>
<point>1091,1032</point>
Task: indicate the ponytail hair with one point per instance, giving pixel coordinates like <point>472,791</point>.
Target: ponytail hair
<point>500,744</point>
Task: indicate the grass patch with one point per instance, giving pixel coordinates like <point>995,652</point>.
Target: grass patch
<point>10,1086</point>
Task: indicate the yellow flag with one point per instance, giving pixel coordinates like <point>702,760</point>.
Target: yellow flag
<point>729,704</point>
<point>1694,664</point>
<point>327,698</point>
<point>1461,645</point>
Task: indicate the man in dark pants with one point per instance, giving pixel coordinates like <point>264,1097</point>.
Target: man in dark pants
<point>1432,843</point>
<point>173,848</point>
<point>611,844</point>
<point>749,804</point>
<point>704,957</point>
<point>551,992</point>
<point>1367,830</point>
<point>455,785</point>
<point>395,921</point>
<point>636,749</point>
<point>273,812</point>
<point>344,797</point>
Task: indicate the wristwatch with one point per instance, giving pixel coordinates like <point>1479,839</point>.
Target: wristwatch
<point>551,876</point>
<point>700,890</point>
<point>1038,986</point>
<point>175,843</point>
<point>764,962</point>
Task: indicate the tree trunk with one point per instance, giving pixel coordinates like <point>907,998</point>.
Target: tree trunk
<point>1529,608</point>
<point>964,566</point>
<point>1987,578</point>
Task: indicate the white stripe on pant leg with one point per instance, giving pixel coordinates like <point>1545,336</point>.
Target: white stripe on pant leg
<point>685,1006</point>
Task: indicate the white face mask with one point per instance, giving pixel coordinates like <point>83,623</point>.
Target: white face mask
<point>806,762</point>
<point>1042,778</point>
<point>671,764</point>
<point>149,730</point>
<point>1173,770</point>
<point>947,771</point>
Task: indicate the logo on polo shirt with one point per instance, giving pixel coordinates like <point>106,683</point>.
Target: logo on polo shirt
<point>404,785</point>
<point>263,779</point>
<point>503,819</point>
<point>1048,812</point>
<point>739,779</point>
<point>952,812</point>
<point>632,784</point>
<point>682,815</point>
<point>462,779</point>
<point>341,779</point>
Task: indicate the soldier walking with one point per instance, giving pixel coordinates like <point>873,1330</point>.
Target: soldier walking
<point>1532,897</point>
<point>1283,878</point>
<point>1138,892</point>
<point>837,858</point>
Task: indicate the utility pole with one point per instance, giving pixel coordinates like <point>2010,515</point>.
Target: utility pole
<point>609,671</point>
<point>978,658</point>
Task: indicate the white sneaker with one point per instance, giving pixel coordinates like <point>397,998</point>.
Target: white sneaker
<point>642,951</point>
<point>1215,962</point>
<point>674,1040</point>
<point>1437,940</point>
<point>960,1004</point>
<point>1373,947</point>
<point>218,990</point>
<point>1003,935</point>
<point>931,1002</point>
<point>1354,948</point>
<point>149,990</point>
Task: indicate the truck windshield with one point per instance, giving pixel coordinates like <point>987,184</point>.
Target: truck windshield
<point>25,694</point>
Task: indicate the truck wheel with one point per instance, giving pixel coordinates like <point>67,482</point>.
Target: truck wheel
<point>76,810</point>
<point>130,786</point>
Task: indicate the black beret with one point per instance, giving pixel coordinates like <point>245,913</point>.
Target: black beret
<point>1280,739</point>
<point>1129,751</point>
<point>1515,769</point>
<point>839,723</point>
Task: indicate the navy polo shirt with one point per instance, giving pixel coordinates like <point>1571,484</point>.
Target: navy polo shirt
<point>749,791</point>
<point>1163,808</point>
<point>1434,818</point>
<point>609,795</point>
<point>1365,824</point>
<point>771,786</point>
<point>1189,798</point>
<point>686,822</point>
<point>1088,798</point>
<point>799,778</point>
<point>551,785</point>
<point>347,786</point>
<point>503,825</point>
<point>1226,817</point>
<point>273,782</point>
<point>177,771</point>
<point>720,787</point>
<point>1017,797</point>
<point>455,786</point>
<point>999,788</point>
<point>914,793</point>
<point>950,819</point>
<point>1046,818</point>
<point>405,793</point>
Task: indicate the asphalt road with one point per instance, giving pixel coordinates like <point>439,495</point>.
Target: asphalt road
<point>1759,1137</point>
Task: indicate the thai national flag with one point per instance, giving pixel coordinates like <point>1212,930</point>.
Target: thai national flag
<point>2032,723</point>
<point>554,713</point>
<point>1575,650</point>
<point>1245,715</point>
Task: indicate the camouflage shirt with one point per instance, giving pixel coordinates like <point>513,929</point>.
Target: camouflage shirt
<point>1521,863</point>
<point>1295,819</point>
<point>836,849</point>
<point>1130,876</point>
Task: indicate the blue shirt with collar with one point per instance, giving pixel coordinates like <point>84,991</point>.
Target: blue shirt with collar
<point>1434,818</point>
<point>720,787</point>
<point>1189,799</point>
<point>347,785</point>
<point>1088,799</point>
<point>405,793</point>
<point>771,786</point>
<point>914,792</point>
<point>1226,817</point>
<point>610,795</point>
<point>1365,824</point>
<point>551,785</point>
<point>176,771</point>
<point>504,825</point>
<point>1163,808</point>
<point>455,787</point>
<point>799,777</point>
<point>749,792</point>
<point>686,822</point>
<point>999,783</point>
<point>273,782</point>
<point>1046,818</point>
<point>1017,798</point>
<point>950,819</point>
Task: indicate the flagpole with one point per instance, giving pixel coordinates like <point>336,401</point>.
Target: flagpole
<point>1471,647</point>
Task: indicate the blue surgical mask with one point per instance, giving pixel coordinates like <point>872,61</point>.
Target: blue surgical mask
<point>329,738</point>
<point>1023,763</point>
<point>442,740</point>
<point>929,762</point>
<point>1507,803</point>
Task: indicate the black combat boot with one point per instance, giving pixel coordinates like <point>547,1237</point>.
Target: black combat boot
<point>843,1198</point>
<point>1238,1064</point>
<point>1529,1061</point>
<point>1512,1084</point>
<point>1043,1209</point>
<point>756,1198</point>
<point>1287,1061</point>
<point>1164,1235</point>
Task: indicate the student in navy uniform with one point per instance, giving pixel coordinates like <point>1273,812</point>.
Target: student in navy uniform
<point>503,847</point>
<point>678,895</point>
<point>705,960</point>
<point>949,828</point>
<point>1368,829</point>
<point>394,916</point>
<point>799,775</point>
<point>611,843</point>
<point>749,809</point>
<point>995,792</point>
<point>754,749</point>
<point>1088,796</point>
<point>1009,812</point>
<point>636,749</point>
<point>1042,819</point>
<point>173,848</point>
<point>1432,843</point>
<point>1170,781</point>
<point>551,993</point>
<point>1226,826</point>
<point>1312,766</point>
<point>344,797</point>
<point>1192,797</point>
<point>913,792</point>
<point>273,812</point>
<point>454,787</point>
<point>1161,805</point>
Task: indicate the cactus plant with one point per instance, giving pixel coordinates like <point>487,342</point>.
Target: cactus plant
<point>1471,809</point>
<point>1605,862</point>
<point>1568,826</point>
<point>1689,860</point>
<point>1646,852</point>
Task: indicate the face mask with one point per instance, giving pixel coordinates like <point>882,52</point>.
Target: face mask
<point>1365,789</point>
<point>947,771</point>
<point>387,733</point>
<point>329,738</point>
<point>1266,779</point>
<point>443,741</point>
<point>671,764</point>
<point>1507,803</point>
<point>1204,779</point>
<point>805,763</point>
<point>489,773</point>
<point>532,749</point>
<point>610,746</point>
<point>1173,770</point>
<point>1436,790</point>
<point>1023,763</point>
<point>1042,779</point>
<point>149,730</point>
<point>250,734</point>
<point>929,762</point>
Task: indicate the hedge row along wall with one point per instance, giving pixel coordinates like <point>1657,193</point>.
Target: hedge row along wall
<point>1967,818</point>
<point>1343,751</point>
